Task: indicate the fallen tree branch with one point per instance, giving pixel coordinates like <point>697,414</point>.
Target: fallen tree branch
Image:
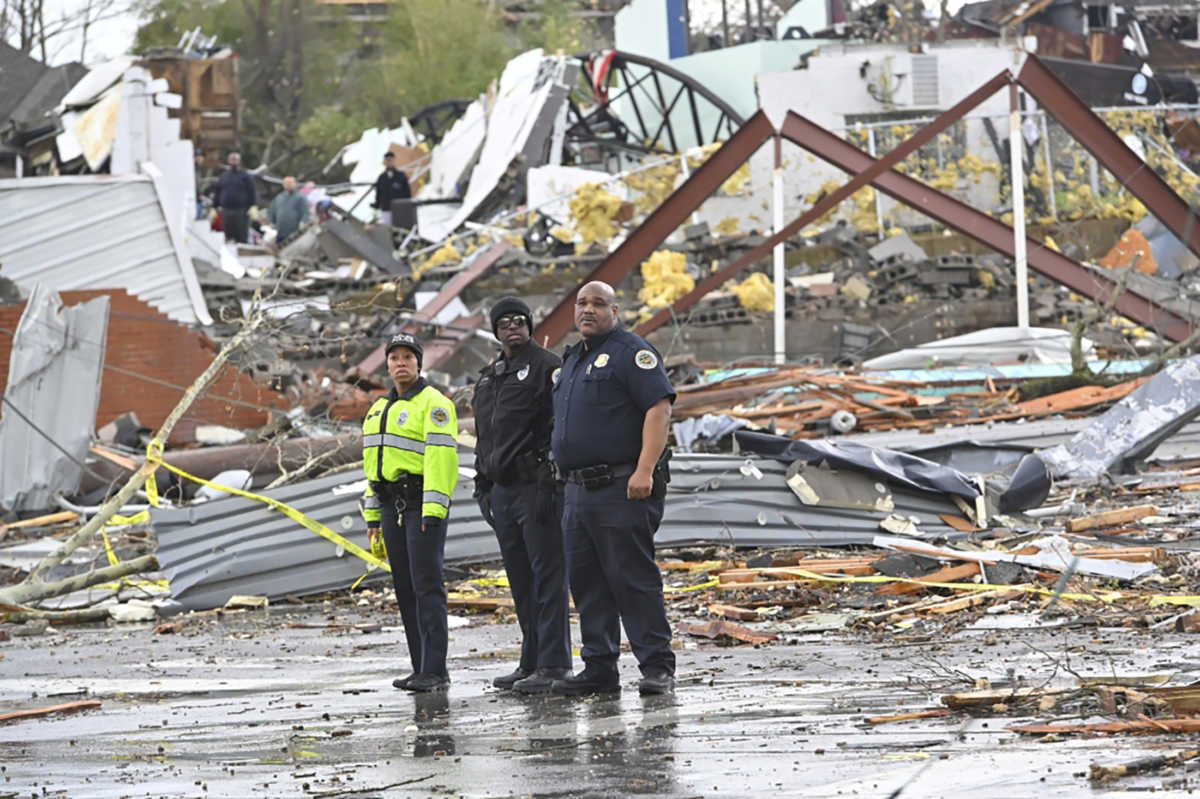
<point>25,592</point>
<point>17,615</point>
<point>34,587</point>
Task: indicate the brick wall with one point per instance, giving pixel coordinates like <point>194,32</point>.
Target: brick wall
<point>144,341</point>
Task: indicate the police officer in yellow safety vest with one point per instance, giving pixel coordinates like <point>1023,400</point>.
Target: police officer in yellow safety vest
<point>410,457</point>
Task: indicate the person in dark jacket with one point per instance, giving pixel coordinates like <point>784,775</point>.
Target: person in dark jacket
<point>519,497</point>
<point>235,196</point>
<point>392,184</point>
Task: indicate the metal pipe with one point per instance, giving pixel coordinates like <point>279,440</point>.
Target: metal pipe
<point>878,200</point>
<point>1049,165</point>
<point>1017,179</point>
<point>780,275</point>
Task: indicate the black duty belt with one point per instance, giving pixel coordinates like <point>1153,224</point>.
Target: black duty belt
<point>601,475</point>
<point>407,485</point>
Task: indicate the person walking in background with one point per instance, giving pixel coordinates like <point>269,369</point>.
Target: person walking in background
<point>392,184</point>
<point>288,210</point>
<point>235,196</point>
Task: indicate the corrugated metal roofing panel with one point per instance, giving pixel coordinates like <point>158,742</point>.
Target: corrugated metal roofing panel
<point>235,546</point>
<point>96,231</point>
<point>51,397</point>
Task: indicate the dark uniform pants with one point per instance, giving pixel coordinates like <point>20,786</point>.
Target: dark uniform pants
<point>532,549</point>
<point>609,541</point>
<point>416,561</point>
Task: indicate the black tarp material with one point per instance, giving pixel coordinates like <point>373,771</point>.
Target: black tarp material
<point>898,468</point>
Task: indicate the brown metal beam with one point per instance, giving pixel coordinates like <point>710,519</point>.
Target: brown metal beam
<point>1099,139</point>
<point>983,228</point>
<point>828,202</point>
<point>660,224</point>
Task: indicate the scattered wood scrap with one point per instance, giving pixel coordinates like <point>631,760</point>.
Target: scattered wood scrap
<point>59,517</point>
<point>802,400</point>
<point>920,714</point>
<point>1102,774</point>
<point>39,712</point>
<point>949,574</point>
<point>1110,518</point>
<point>732,612</point>
<point>1134,726</point>
<point>724,629</point>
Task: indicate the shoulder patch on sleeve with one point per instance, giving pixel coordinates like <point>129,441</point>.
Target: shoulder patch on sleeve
<point>645,359</point>
<point>440,417</point>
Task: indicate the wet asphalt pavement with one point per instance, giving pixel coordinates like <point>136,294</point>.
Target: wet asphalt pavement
<point>245,705</point>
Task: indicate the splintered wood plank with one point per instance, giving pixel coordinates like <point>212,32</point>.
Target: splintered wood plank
<point>61,517</point>
<point>957,522</point>
<point>725,629</point>
<point>733,612</point>
<point>479,603</point>
<point>920,714</point>
<point>38,712</point>
<point>949,574</point>
<point>1077,398</point>
<point>1138,726</point>
<point>1110,518</point>
<point>968,601</point>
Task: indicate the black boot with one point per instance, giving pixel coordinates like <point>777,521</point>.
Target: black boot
<point>592,680</point>
<point>402,682</point>
<point>656,681</point>
<point>506,682</point>
<point>540,681</point>
<point>425,683</point>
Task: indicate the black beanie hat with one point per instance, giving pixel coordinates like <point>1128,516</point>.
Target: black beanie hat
<point>406,340</point>
<point>511,305</point>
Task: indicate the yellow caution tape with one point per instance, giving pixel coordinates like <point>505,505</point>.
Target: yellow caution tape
<point>154,456</point>
<point>112,556</point>
<point>141,517</point>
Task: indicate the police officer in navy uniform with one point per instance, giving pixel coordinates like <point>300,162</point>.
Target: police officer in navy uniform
<point>518,496</point>
<point>612,408</point>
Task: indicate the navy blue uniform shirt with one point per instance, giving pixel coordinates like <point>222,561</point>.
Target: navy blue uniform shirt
<point>601,396</point>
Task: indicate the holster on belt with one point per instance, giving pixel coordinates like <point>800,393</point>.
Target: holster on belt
<point>662,475</point>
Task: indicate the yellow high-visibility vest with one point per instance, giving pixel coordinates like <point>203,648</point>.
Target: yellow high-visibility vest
<point>414,433</point>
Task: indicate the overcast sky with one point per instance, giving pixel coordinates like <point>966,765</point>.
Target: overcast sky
<point>106,39</point>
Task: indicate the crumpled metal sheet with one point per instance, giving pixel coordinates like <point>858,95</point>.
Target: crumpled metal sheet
<point>233,546</point>
<point>709,429</point>
<point>898,468</point>
<point>54,381</point>
<point>1133,428</point>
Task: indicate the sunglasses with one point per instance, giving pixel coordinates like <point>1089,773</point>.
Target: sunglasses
<point>510,321</point>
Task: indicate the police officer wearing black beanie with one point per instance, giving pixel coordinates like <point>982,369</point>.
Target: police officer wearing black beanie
<point>519,497</point>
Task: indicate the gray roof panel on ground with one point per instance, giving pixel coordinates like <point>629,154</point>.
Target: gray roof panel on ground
<point>93,232</point>
<point>237,546</point>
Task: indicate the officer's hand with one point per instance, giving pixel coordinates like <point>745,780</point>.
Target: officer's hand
<point>640,485</point>
<point>429,522</point>
<point>485,508</point>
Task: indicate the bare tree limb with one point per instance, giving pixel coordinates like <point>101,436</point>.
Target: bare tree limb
<point>33,587</point>
<point>29,591</point>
